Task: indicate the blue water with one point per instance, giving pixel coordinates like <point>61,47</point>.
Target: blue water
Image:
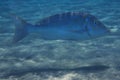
<point>24,60</point>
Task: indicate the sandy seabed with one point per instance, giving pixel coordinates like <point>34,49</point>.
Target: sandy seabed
<point>34,53</point>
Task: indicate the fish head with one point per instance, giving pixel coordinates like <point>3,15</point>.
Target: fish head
<point>95,27</point>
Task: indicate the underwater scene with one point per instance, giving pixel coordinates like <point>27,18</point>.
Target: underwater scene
<point>36,43</point>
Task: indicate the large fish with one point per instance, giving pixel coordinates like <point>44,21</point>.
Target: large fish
<point>64,26</point>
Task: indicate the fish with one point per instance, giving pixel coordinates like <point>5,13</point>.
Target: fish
<point>63,26</point>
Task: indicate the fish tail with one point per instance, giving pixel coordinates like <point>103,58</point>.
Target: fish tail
<point>21,30</point>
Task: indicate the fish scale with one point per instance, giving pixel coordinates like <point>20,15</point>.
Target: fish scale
<point>61,17</point>
<point>64,26</point>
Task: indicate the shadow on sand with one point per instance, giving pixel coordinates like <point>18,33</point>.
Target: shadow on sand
<point>84,69</point>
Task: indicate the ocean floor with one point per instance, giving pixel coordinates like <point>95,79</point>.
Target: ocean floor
<point>37,59</point>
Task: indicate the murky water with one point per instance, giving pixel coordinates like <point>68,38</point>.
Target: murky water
<point>24,60</point>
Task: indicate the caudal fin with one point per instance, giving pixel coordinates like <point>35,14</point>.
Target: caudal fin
<point>20,25</point>
<point>20,28</point>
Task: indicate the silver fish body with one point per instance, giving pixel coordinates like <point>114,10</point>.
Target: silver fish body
<point>64,26</point>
